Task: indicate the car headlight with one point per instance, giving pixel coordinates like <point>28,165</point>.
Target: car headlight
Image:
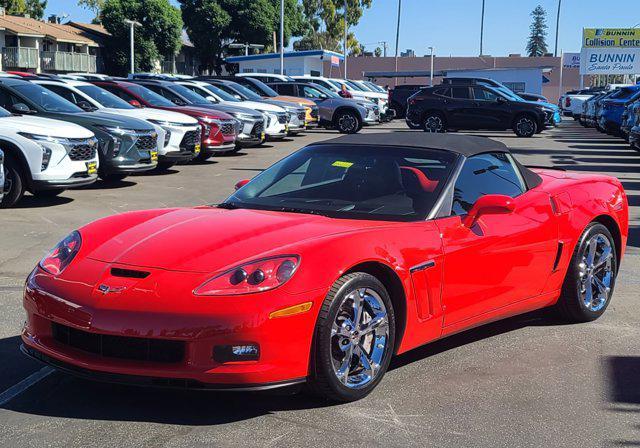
<point>165,123</point>
<point>62,254</point>
<point>243,116</point>
<point>45,138</point>
<point>256,276</point>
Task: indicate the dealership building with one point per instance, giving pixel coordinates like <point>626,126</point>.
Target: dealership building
<point>312,62</point>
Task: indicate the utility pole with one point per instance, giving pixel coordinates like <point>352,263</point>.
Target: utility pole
<point>345,39</point>
<point>481,27</point>
<point>282,37</point>
<point>555,50</point>
<point>431,72</point>
<point>132,24</point>
<point>398,36</point>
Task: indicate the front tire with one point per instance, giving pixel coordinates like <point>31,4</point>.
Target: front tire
<point>525,126</point>
<point>588,285</point>
<point>354,338</point>
<point>348,122</point>
<point>434,122</point>
<point>14,183</point>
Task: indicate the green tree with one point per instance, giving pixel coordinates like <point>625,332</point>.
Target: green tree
<point>326,18</point>
<point>537,45</point>
<point>14,7</point>
<point>213,24</point>
<point>377,52</point>
<point>93,5</point>
<point>35,8</point>
<point>158,37</point>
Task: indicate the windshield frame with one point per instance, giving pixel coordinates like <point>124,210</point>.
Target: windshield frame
<point>70,107</point>
<point>451,167</point>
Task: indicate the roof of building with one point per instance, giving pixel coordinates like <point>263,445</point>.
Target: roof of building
<point>287,54</point>
<point>25,26</point>
<point>94,28</point>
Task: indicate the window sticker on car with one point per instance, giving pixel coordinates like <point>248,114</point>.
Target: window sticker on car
<point>341,164</point>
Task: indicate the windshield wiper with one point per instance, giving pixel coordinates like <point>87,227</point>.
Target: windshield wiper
<point>228,205</point>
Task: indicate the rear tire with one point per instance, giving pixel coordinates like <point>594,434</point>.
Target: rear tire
<point>347,122</point>
<point>434,122</point>
<point>350,354</point>
<point>525,126</point>
<point>14,184</point>
<point>588,285</point>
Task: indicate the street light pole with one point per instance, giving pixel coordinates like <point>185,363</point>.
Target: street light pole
<point>555,50</point>
<point>397,38</point>
<point>132,24</point>
<point>282,37</point>
<point>431,71</point>
<point>481,27</point>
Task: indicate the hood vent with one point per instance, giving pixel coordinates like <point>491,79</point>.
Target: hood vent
<point>129,273</point>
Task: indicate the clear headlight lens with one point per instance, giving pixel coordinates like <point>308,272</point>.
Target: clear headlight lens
<point>45,138</point>
<point>62,254</point>
<point>256,276</point>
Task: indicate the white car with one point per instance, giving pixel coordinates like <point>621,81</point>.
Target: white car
<point>266,77</point>
<point>178,134</point>
<point>274,125</point>
<point>45,156</point>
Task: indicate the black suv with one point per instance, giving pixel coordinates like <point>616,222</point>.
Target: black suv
<point>399,95</point>
<point>473,106</point>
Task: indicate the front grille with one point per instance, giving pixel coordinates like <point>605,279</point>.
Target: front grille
<point>190,139</point>
<point>147,142</point>
<point>258,128</point>
<point>283,118</point>
<point>82,149</point>
<point>228,128</point>
<point>121,347</point>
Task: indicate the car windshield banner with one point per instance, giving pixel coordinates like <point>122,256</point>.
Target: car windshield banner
<point>610,61</point>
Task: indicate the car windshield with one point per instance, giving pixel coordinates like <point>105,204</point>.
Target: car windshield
<point>191,96</point>
<point>4,112</point>
<point>244,93</point>
<point>150,96</point>
<point>260,88</point>
<point>336,83</point>
<point>508,93</point>
<point>46,99</point>
<point>105,98</point>
<point>224,96</point>
<point>357,182</point>
<point>319,89</point>
<point>375,87</point>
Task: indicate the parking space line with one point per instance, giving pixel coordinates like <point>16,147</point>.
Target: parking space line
<point>25,384</point>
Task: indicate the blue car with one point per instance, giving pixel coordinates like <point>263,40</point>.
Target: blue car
<point>634,123</point>
<point>612,108</point>
<point>628,118</point>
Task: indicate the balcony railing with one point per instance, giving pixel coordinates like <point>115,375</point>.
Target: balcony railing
<point>19,57</point>
<point>61,61</point>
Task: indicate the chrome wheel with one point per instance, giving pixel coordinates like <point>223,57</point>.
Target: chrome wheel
<point>347,123</point>
<point>525,126</point>
<point>359,338</point>
<point>433,123</point>
<point>596,272</point>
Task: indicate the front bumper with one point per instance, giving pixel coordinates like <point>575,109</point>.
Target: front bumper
<point>80,180</point>
<point>205,323</point>
<point>252,133</point>
<point>210,149</point>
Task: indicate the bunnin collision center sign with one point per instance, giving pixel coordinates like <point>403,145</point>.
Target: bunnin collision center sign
<point>610,51</point>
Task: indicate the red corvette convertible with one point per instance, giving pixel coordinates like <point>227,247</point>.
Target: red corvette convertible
<point>326,265</point>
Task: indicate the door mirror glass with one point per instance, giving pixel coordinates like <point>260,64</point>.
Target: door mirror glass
<point>490,204</point>
<point>21,108</point>
<point>241,183</point>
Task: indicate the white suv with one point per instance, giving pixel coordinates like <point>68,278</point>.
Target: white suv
<point>178,134</point>
<point>45,156</point>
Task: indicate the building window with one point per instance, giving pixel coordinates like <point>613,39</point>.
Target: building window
<point>276,71</point>
<point>516,86</point>
<point>262,70</point>
<point>247,70</point>
<point>314,73</point>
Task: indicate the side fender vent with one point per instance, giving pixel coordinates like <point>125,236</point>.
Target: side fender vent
<point>558,255</point>
<point>129,273</point>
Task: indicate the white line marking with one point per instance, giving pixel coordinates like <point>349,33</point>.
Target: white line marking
<point>25,384</point>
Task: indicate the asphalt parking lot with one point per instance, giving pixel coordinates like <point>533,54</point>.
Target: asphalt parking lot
<point>526,381</point>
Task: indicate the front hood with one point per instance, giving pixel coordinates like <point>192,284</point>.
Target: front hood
<point>293,99</point>
<point>201,111</point>
<point>204,239</point>
<point>155,114</point>
<point>257,105</point>
<point>45,126</point>
<point>237,109</point>
<point>110,119</point>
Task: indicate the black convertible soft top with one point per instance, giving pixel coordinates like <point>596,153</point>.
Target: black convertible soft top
<point>466,145</point>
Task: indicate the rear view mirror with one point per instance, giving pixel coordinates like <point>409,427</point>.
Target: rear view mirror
<point>489,204</point>
<point>21,108</point>
<point>241,183</point>
<point>135,103</point>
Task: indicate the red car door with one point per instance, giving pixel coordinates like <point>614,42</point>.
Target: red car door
<point>503,257</point>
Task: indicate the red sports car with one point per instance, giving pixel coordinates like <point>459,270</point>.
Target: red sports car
<point>325,265</point>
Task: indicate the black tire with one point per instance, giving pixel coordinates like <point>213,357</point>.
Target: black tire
<point>164,166</point>
<point>347,122</point>
<point>525,126</point>
<point>14,183</point>
<point>434,122</point>
<point>112,177</point>
<point>323,379</point>
<point>571,306</point>
<point>48,193</point>
<point>413,125</point>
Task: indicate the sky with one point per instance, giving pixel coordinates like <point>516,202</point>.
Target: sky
<point>453,26</point>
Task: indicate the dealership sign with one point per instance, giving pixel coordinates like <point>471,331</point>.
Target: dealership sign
<point>610,61</point>
<point>571,60</point>
<point>611,38</point>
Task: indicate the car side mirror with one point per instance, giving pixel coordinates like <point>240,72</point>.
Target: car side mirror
<point>241,183</point>
<point>490,204</point>
<point>236,96</point>
<point>212,99</point>
<point>86,106</point>
<point>135,103</point>
<point>178,102</point>
<point>323,96</point>
<point>500,100</point>
<point>21,108</point>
